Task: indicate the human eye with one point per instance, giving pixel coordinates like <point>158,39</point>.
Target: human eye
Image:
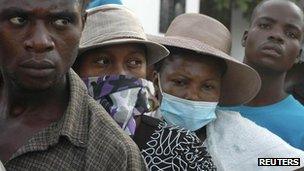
<point>18,20</point>
<point>136,60</point>
<point>62,22</point>
<point>179,82</point>
<point>103,61</point>
<point>264,25</point>
<point>135,63</point>
<point>208,87</point>
<point>292,34</point>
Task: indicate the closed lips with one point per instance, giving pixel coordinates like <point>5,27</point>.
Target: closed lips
<point>273,47</point>
<point>37,64</point>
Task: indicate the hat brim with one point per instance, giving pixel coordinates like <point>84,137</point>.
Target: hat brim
<point>155,51</point>
<point>241,83</point>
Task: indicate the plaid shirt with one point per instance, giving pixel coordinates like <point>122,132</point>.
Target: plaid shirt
<point>85,138</point>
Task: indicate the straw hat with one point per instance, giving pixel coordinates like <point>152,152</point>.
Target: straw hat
<point>206,35</point>
<point>115,24</point>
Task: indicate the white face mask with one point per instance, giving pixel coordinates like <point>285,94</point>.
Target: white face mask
<point>188,114</point>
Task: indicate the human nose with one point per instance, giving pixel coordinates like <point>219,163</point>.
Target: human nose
<point>40,40</point>
<point>276,35</point>
<point>191,94</point>
<point>118,69</point>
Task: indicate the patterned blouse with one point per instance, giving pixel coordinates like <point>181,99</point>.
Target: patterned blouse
<point>174,149</point>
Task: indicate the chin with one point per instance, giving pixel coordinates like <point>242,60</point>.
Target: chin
<point>37,85</point>
<point>274,69</point>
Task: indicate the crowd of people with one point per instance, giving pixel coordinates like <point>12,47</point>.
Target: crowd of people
<point>83,87</point>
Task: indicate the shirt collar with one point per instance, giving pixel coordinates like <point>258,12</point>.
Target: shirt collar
<point>73,125</point>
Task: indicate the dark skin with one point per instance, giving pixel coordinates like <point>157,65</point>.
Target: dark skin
<point>150,72</point>
<point>294,83</point>
<point>123,59</point>
<point>272,44</point>
<point>190,76</point>
<point>39,43</point>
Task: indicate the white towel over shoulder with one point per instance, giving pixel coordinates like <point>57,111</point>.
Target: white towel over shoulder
<point>235,143</point>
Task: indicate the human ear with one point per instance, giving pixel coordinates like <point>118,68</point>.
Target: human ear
<point>244,38</point>
<point>299,56</point>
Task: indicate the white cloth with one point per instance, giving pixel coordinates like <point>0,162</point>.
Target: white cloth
<point>1,167</point>
<point>235,143</point>
<point>155,114</point>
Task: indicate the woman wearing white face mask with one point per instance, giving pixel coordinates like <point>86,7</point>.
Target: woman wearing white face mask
<point>197,76</point>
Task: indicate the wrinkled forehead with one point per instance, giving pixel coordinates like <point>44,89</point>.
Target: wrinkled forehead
<point>281,11</point>
<point>41,5</point>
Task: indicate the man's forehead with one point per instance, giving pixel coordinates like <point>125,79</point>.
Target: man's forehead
<point>52,5</point>
<point>284,11</point>
<point>278,9</point>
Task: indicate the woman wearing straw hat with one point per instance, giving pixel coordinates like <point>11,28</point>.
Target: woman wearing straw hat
<point>114,54</point>
<point>192,81</point>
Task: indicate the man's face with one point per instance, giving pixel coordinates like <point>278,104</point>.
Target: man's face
<point>274,39</point>
<point>39,40</point>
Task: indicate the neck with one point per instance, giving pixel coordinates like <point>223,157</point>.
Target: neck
<point>272,89</point>
<point>201,133</point>
<point>46,104</point>
<point>294,77</point>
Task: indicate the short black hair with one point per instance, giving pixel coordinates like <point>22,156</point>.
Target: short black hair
<point>158,67</point>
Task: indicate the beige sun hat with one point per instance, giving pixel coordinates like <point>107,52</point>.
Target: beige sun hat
<point>115,24</point>
<point>205,35</point>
